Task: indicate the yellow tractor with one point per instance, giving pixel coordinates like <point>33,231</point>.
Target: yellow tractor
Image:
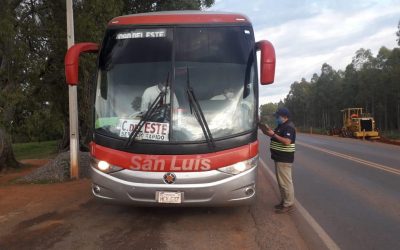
<point>358,124</point>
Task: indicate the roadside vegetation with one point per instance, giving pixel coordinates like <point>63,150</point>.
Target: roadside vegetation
<point>393,134</point>
<point>369,82</point>
<point>35,150</point>
<point>33,92</point>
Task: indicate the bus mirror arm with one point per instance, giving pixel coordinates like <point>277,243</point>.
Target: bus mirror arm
<point>71,61</point>
<point>267,61</point>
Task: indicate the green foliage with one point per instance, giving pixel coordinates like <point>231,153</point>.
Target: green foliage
<point>27,110</point>
<point>368,82</point>
<point>398,34</point>
<point>267,113</point>
<point>34,150</point>
<point>392,134</point>
<point>33,43</point>
<point>139,6</point>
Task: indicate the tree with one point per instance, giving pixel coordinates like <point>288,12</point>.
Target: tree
<point>11,52</point>
<point>7,159</point>
<point>368,82</point>
<point>362,59</point>
<point>140,6</point>
<point>266,113</point>
<point>33,93</point>
<point>398,34</point>
<point>32,48</point>
<point>297,101</point>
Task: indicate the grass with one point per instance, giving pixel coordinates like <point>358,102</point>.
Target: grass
<point>34,150</point>
<point>392,134</point>
<point>319,131</point>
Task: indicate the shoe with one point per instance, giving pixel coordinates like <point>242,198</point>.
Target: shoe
<point>283,209</point>
<point>279,206</point>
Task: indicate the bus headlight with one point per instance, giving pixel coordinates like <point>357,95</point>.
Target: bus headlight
<point>241,166</point>
<point>104,166</point>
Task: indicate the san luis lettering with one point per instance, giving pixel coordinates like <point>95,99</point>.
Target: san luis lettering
<point>191,164</point>
<point>139,163</point>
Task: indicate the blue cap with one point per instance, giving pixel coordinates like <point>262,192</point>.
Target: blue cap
<point>282,112</point>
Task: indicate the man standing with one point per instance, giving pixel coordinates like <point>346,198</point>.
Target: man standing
<point>282,152</point>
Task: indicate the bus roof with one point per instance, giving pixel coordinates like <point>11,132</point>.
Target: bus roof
<point>179,17</point>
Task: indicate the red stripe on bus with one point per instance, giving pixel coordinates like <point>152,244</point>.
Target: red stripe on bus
<point>174,163</point>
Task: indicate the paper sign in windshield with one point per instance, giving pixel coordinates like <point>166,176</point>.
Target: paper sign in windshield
<point>135,34</point>
<point>154,131</point>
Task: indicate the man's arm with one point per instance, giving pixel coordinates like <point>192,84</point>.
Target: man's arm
<point>288,136</point>
<point>283,140</point>
<point>268,131</point>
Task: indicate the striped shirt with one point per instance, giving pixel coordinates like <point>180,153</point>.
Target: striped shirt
<point>279,151</point>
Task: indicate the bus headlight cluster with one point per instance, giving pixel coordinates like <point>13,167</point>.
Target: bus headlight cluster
<point>241,166</point>
<point>104,166</point>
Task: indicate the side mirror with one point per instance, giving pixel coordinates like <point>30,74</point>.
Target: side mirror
<point>267,62</point>
<point>71,61</point>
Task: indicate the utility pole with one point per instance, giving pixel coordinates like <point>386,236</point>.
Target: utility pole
<point>73,102</point>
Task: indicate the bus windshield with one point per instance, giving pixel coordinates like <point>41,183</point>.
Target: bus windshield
<point>136,65</point>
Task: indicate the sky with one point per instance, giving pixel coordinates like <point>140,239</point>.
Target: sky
<point>308,33</point>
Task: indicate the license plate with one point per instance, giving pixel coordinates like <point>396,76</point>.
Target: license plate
<point>169,197</point>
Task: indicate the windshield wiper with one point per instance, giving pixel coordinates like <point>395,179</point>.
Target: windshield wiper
<point>148,114</point>
<point>195,106</point>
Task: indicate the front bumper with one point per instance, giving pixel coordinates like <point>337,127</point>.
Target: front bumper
<point>209,188</point>
<point>366,134</point>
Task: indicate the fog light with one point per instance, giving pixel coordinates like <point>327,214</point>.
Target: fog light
<point>249,191</point>
<point>96,189</point>
<point>103,165</point>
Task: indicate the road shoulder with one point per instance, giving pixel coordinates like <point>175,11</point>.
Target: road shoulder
<point>313,234</point>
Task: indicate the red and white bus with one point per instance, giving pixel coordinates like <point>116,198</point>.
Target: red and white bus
<point>176,107</point>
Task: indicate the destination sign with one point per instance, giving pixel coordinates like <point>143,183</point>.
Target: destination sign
<point>150,131</point>
<point>137,34</point>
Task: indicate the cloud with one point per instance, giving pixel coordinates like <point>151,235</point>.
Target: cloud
<point>308,33</point>
<point>303,45</point>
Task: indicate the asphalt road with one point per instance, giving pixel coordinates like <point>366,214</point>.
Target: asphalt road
<point>350,187</point>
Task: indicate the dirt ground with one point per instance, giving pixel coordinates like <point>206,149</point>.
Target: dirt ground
<point>65,216</point>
